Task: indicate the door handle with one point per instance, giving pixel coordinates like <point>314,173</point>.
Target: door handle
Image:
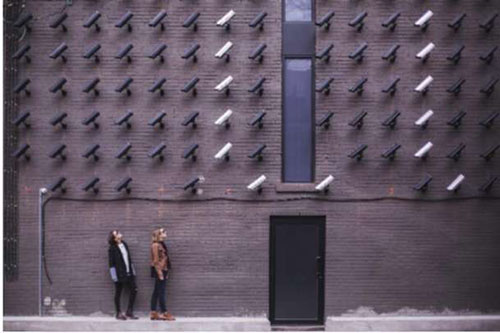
<point>318,267</point>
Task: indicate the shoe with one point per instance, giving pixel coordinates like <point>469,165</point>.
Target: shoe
<point>154,316</point>
<point>130,315</point>
<point>168,316</point>
<point>120,316</point>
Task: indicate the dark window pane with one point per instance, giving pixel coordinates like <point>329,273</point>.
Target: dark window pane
<point>297,122</point>
<point>298,10</point>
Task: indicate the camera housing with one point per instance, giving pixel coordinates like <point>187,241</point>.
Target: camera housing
<point>125,21</point>
<point>92,52</point>
<point>158,20</point>
<point>456,121</point>
<point>158,120</point>
<point>59,86</point>
<point>224,119</point>
<point>358,153</point>
<point>324,185</point>
<point>324,87</point>
<point>125,119</point>
<point>358,120</point>
<point>258,119</point>
<point>456,87</point>
<point>58,119</point>
<point>324,54</point>
<point>257,53</point>
<point>423,121</point>
<point>190,52</point>
<point>457,22</point>
<point>489,88</point>
<point>391,21</point>
<point>456,152</point>
<point>191,86</point>
<point>358,21</point>
<point>425,53</point>
<point>392,120</point>
<point>258,21</point>
<point>23,21</point>
<point>58,151</point>
<point>423,86</point>
<point>324,121</point>
<point>59,22</point>
<point>358,87</point>
<point>124,184</point>
<point>424,20</point>
<point>91,184</point>
<point>490,152</point>
<point>91,86</point>
<point>423,184</point>
<point>392,53</point>
<point>125,52</point>
<point>224,52</point>
<point>224,85</point>
<point>390,153</point>
<point>488,185</point>
<point>423,152</point>
<point>158,152</point>
<point>58,184</point>
<point>325,20</point>
<point>123,153</point>
<point>190,152</point>
<point>489,121</point>
<point>457,55</point>
<point>22,52</point>
<point>489,56</point>
<point>91,151</point>
<point>256,185</point>
<point>258,88</point>
<point>158,52</point>
<point>92,119</point>
<point>489,23</point>
<point>158,86</point>
<point>22,86</point>
<point>92,21</point>
<point>257,152</point>
<point>191,119</point>
<point>192,21</point>
<point>22,119</point>
<point>223,153</point>
<point>391,88</point>
<point>456,183</point>
<point>225,21</point>
<point>358,53</point>
<point>22,151</point>
<point>59,52</point>
<point>125,86</point>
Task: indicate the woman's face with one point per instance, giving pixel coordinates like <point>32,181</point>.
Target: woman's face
<point>118,235</point>
<point>163,234</point>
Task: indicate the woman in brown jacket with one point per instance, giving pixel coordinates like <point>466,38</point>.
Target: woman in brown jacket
<point>160,264</point>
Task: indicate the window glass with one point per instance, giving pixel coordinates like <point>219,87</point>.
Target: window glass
<point>297,121</point>
<point>298,10</point>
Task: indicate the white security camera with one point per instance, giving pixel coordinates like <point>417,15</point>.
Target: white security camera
<point>224,20</point>
<point>455,184</point>
<point>224,85</point>
<point>224,152</point>
<point>224,51</point>
<point>425,52</point>
<point>424,85</point>
<point>423,21</point>
<point>424,151</point>
<point>424,119</point>
<point>325,184</point>
<point>224,119</point>
<point>256,185</point>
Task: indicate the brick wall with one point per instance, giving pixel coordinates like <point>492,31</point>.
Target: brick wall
<point>395,249</point>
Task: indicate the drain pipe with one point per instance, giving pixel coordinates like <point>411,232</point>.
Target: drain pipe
<point>41,194</point>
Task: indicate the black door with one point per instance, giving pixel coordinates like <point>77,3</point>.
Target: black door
<point>297,269</point>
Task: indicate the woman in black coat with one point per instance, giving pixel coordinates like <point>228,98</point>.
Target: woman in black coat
<point>122,273</point>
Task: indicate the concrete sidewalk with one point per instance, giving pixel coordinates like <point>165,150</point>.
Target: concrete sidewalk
<point>142,324</point>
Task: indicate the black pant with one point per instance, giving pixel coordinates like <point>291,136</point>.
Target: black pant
<point>159,293</point>
<point>130,282</point>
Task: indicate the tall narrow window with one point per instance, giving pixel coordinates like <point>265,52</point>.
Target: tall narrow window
<point>298,10</point>
<point>297,121</point>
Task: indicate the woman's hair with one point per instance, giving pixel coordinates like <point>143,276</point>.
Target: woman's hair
<point>156,235</point>
<point>111,237</point>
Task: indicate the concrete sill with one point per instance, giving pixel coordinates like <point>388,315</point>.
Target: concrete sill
<point>296,188</point>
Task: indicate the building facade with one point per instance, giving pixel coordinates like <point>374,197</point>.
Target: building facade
<point>378,241</point>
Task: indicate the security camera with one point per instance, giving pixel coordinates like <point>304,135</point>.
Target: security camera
<point>58,151</point>
<point>423,121</point>
<point>58,185</point>
<point>423,86</point>
<point>423,21</point>
<point>59,86</point>
<point>391,22</point>
<point>357,153</point>
<point>158,86</point>
<point>358,87</point>
<point>357,22</point>
<point>92,52</point>
<point>124,152</point>
<point>390,153</point>
<point>92,152</point>
<point>258,88</point>
<point>157,52</point>
<point>22,119</point>
<point>158,120</point>
<point>456,121</point>
<point>324,54</point>
<point>22,151</point>
<point>325,184</point>
<point>191,21</point>
<point>92,86</point>
<point>391,88</point>
<point>59,22</point>
<point>190,152</point>
<point>457,22</point>
<point>358,120</point>
<point>58,119</point>
<point>488,57</point>
<point>158,152</point>
<point>391,54</point>
<point>456,87</point>
<point>124,184</point>
<point>158,20</point>
<point>92,119</point>
<point>325,20</point>
<point>226,19</point>
<point>258,21</point>
<point>257,54</point>
<point>257,153</point>
<point>125,52</point>
<point>191,52</point>
<point>423,184</point>
<point>22,86</point>
<point>489,23</point>
<point>258,120</point>
<point>456,153</point>
<point>191,86</point>
<point>224,119</point>
<point>489,87</point>
<point>22,52</point>
<point>423,152</point>
<point>488,121</point>
<point>488,185</point>
<point>92,20</point>
<point>457,55</point>
<point>357,54</point>
<point>125,86</point>
<point>191,184</point>
<point>325,120</point>
<point>256,185</point>
<point>455,184</point>
<point>23,21</point>
<point>223,52</point>
<point>224,152</point>
<point>191,119</point>
<point>125,119</point>
<point>224,85</point>
<point>324,87</point>
<point>392,120</point>
<point>490,152</point>
<point>91,185</point>
<point>425,52</point>
<point>125,21</point>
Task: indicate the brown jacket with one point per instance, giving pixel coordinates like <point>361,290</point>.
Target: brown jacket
<point>159,258</point>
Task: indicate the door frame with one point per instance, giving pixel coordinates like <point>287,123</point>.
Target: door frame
<point>321,221</point>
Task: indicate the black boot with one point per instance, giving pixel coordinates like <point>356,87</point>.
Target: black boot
<point>130,315</point>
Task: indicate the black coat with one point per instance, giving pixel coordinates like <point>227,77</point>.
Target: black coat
<point>117,264</point>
